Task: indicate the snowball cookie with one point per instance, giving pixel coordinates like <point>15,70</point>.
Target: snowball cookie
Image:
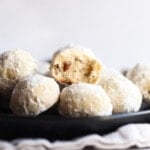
<point>34,95</point>
<point>84,100</point>
<point>140,75</point>
<point>15,65</point>
<point>124,95</point>
<point>75,64</point>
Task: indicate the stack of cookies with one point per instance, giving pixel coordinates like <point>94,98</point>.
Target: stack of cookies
<point>75,79</point>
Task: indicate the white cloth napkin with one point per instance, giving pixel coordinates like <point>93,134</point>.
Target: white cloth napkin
<point>125,137</point>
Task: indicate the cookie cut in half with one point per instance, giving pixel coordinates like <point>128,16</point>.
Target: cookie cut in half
<point>74,65</point>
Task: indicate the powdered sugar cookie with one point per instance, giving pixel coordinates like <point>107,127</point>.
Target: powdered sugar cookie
<point>34,95</point>
<point>82,100</point>
<point>124,95</point>
<point>140,75</point>
<point>74,65</point>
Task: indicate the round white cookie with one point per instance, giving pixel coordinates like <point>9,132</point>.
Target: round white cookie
<point>74,65</point>
<point>14,66</point>
<point>84,100</point>
<point>124,95</point>
<point>140,75</point>
<point>34,95</point>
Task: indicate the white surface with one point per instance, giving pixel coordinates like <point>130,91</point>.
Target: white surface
<point>118,31</point>
<point>125,137</point>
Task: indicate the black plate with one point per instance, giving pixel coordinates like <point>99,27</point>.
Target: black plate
<point>55,127</point>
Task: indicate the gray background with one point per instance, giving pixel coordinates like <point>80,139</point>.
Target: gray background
<point>118,31</point>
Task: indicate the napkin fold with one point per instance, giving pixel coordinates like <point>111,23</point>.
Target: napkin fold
<point>127,136</point>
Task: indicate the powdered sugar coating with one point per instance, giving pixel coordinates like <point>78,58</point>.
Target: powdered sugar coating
<point>82,100</point>
<point>78,47</point>
<point>124,95</point>
<point>15,65</point>
<point>140,75</point>
<point>34,95</point>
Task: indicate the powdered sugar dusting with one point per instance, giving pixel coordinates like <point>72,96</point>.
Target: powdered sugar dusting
<point>83,99</point>
<point>140,75</point>
<point>78,47</point>
<point>125,96</point>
